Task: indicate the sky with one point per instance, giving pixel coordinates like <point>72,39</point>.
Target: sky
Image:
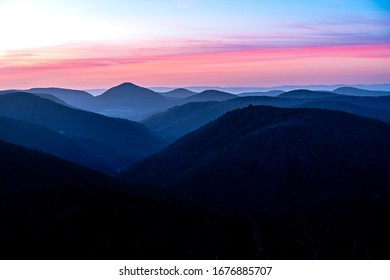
<point>90,44</point>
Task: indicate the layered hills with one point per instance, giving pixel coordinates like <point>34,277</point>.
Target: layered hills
<point>117,142</point>
<point>260,158</point>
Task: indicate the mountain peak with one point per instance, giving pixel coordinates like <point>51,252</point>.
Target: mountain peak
<point>128,84</point>
<point>129,90</point>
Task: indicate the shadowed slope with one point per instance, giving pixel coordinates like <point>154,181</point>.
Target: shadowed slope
<point>257,157</point>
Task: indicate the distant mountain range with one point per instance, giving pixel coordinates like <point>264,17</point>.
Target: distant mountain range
<point>238,90</point>
<point>133,102</point>
<point>360,92</point>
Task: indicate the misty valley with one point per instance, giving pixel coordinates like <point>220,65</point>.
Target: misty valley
<point>135,173</point>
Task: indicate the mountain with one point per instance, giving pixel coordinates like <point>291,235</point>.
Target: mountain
<point>210,95</point>
<point>130,93</point>
<point>178,93</point>
<point>261,160</point>
<point>117,142</point>
<point>180,120</point>
<point>76,98</point>
<point>52,98</point>
<point>272,93</point>
<point>23,168</point>
<point>45,140</point>
<point>373,102</point>
<point>43,95</point>
<point>360,92</point>
<point>304,93</point>
<point>131,102</point>
<point>379,114</point>
<point>53,209</point>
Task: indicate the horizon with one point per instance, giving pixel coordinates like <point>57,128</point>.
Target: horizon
<point>229,43</point>
<point>385,86</point>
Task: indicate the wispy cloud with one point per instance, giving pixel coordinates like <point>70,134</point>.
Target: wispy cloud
<point>218,64</point>
<point>305,27</point>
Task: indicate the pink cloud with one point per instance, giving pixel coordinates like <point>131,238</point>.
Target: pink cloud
<point>200,63</point>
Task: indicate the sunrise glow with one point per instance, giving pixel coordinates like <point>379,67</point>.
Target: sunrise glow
<point>96,44</point>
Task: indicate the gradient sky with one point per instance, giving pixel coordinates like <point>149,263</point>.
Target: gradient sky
<point>98,44</point>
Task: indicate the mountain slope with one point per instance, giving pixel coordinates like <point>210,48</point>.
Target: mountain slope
<point>379,114</point>
<point>118,142</point>
<point>77,98</point>
<point>210,95</point>
<point>178,93</point>
<point>180,120</point>
<point>45,140</point>
<point>252,159</point>
<point>53,209</point>
<point>131,102</point>
<point>360,92</point>
<point>304,93</point>
<point>24,168</point>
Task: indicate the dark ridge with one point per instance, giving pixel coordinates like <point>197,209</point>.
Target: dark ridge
<point>304,93</point>
<point>260,158</point>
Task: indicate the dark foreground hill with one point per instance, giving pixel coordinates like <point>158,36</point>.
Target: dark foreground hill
<point>180,120</point>
<point>22,168</point>
<point>53,209</point>
<point>117,142</point>
<point>261,158</point>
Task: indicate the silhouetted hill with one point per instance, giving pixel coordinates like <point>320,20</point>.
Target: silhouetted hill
<point>210,95</point>
<point>130,93</point>
<point>360,92</point>
<point>22,168</point>
<point>383,115</point>
<point>52,98</point>
<point>261,159</point>
<point>43,95</point>
<point>48,141</point>
<point>131,102</point>
<point>378,102</point>
<point>303,93</point>
<point>77,98</point>
<point>53,209</point>
<point>116,141</point>
<point>178,93</point>
<point>180,120</point>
